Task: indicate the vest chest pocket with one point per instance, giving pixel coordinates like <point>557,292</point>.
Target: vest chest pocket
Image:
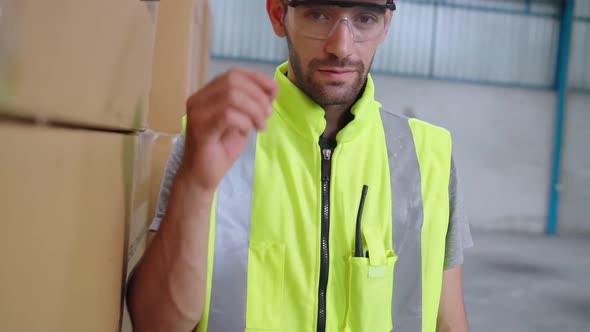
<point>266,281</point>
<point>370,291</point>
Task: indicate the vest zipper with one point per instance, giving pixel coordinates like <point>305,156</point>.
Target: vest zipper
<point>327,148</point>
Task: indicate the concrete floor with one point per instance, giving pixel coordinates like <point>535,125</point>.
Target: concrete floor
<point>525,283</point>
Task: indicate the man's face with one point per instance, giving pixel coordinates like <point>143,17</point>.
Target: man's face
<point>332,70</point>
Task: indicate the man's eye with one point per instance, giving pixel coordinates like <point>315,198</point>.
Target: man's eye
<point>366,19</point>
<point>317,15</point>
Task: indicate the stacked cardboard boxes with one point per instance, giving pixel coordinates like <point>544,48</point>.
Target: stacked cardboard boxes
<point>180,62</point>
<point>91,97</point>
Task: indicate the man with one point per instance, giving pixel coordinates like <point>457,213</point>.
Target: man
<point>297,204</point>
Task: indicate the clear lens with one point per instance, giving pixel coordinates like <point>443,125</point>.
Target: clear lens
<point>319,22</point>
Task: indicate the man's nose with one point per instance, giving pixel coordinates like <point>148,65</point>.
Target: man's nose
<point>341,41</point>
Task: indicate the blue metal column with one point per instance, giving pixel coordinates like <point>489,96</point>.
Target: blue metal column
<point>528,5</point>
<point>561,76</point>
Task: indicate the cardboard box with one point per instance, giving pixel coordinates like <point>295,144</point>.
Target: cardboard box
<point>151,157</point>
<point>66,201</point>
<point>139,221</point>
<point>76,208</point>
<point>161,150</point>
<point>77,202</point>
<point>181,58</point>
<point>80,62</point>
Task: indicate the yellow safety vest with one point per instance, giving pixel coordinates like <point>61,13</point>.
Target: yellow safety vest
<point>283,224</point>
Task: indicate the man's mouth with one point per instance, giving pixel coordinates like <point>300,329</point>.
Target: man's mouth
<point>337,73</point>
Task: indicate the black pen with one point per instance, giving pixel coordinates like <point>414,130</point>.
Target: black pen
<point>358,243</point>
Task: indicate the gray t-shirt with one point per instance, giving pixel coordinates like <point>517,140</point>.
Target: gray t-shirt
<point>458,234</point>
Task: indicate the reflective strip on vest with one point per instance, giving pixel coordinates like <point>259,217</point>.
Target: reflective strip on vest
<point>434,149</point>
<point>227,309</point>
<point>406,197</point>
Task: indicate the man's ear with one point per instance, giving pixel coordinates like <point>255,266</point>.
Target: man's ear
<point>276,13</point>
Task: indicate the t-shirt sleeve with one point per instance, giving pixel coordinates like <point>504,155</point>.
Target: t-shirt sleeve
<point>172,165</point>
<point>459,233</point>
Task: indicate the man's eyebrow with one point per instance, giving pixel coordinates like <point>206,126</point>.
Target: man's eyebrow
<point>374,9</point>
<point>369,8</point>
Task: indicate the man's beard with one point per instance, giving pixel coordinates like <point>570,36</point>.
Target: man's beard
<point>329,94</point>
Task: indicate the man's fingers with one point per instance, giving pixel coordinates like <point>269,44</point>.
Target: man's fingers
<point>239,99</point>
<point>256,85</point>
<point>245,103</point>
<point>234,100</point>
<point>269,85</point>
<point>226,85</point>
<point>230,119</point>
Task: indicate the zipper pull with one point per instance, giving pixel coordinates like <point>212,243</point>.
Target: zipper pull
<point>326,164</point>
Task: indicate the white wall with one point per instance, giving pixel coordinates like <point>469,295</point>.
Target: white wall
<point>502,140</point>
<point>502,144</point>
<point>575,198</point>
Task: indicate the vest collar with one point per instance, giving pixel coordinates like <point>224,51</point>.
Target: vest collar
<point>308,118</point>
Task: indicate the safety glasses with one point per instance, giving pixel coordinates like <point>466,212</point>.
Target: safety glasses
<point>319,19</point>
